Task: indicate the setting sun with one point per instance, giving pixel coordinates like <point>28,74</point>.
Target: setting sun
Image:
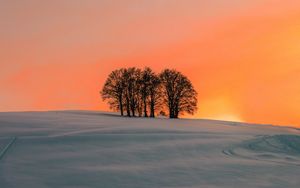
<point>219,108</point>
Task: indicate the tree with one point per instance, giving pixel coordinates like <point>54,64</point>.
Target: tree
<point>132,91</point>
<point>150,91</point>
<point>138,91</point>
<point>155,93</point>
<point>179,93</point>
<point>145,83</point>
<point>113,90</point>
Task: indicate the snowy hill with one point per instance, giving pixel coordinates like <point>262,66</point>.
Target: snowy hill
<point>96,149</point>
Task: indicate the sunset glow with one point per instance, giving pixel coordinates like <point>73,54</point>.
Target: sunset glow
<point>243,57</point>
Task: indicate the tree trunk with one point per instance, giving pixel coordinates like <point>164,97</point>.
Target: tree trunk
<point>121,105</point>
<point>140,108</point>
<point>128,107</point>
<point>145,107</point>
<point>171,112</point>
<point>176,111</point>
<point>121,109</point>
<point>152,105</point>
<point>152,109</point>
<point>132,108</point>
<point>171,108</point>
<point>176,114</point>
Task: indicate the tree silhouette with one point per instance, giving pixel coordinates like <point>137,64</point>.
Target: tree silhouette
<point>150,91</point>
<point>155,93</point>
<point>138,91</point>
<point>145,85</point>
<point>131,77</point>
<point>113,90</point>
<point>179,93</point>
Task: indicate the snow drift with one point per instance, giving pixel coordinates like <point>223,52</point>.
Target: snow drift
<point>94,149</point>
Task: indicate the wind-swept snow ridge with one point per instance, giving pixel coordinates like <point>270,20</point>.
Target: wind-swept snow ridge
<point>276,148</point>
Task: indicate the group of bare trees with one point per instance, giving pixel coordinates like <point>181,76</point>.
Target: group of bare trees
<point>145,93</point>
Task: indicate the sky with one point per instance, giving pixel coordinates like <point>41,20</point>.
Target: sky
<point>243,57</point>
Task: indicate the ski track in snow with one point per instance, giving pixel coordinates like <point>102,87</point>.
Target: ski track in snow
<point>6,148</point>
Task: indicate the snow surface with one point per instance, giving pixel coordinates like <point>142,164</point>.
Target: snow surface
<point>95,149</point>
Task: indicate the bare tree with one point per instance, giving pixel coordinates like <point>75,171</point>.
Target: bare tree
<point>113,90</point>
<point>155,93</point>
<point>180,95</point>
<point>138,91</point>
<point>132,94</point>
<point>150,91</point>
<point>145,87</point>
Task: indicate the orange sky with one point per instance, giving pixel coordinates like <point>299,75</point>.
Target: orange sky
<point>242,56</point>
